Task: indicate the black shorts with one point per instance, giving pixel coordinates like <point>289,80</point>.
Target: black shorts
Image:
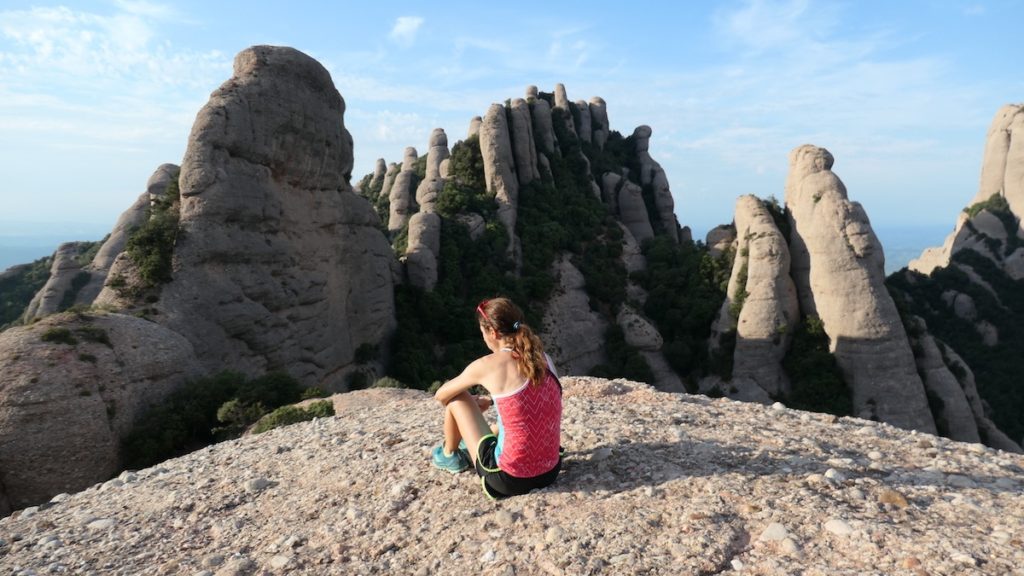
<point>499,484</point>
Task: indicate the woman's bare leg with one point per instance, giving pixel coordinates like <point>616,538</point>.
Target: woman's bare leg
<point>463,421</point>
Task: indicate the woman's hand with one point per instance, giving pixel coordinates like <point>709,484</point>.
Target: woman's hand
<point>484,402</point>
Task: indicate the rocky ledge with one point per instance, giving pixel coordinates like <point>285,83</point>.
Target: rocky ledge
<point>654,483</point>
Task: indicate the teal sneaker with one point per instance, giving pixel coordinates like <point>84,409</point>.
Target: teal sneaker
<point>455,462</point>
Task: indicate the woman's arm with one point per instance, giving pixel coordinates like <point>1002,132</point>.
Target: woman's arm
<point>471,376</point>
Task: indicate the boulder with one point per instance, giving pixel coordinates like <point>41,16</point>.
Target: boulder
<point>761,300</point>
<point>584,130</point>
<point>532,93</point>
<point>599,121</point>
<point>838,267</point>
<point>573,334</point>
<point>543,129</point>
<point>499,168</point>
<point>421,255</point>
<point>524,149</point>
<point>279,265</point>
<point>433,181</point>
<point>71,386</point>
<point>402,196</point>
<point>633,211</point>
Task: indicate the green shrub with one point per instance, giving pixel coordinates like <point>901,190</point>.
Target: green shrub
<point>151,246</point>
<point>817,382</point>
<point>388,382</point>
<point>93,334</point>
<point>87,358</point>
<point>191,417</point>
<point>59,335</point>
<point>313,392</point>
<point>18,286</point>
<point>287,415</point>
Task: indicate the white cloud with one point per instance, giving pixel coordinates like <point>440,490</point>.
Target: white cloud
<point>405,29</point>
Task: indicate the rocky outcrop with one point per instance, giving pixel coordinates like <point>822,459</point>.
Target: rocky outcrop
<point>642,336</point>
<point>67,277</point>
<point>562,103</point>
<point>524,149</point>
<point>402,195</point>
<point>499,168</point>
<point>837,266</point>
<point>389,181</point>
<point>651,174</point>
<point>652,483</point>
<point>279,266</point>
<point>761,303</point>
<point>1002,167</point>
<point>70,387</point>
<point>573,334</point>
<point>543,129</point>
<point>421,256</point>
<point>599,121</point>
<point>633,211</point>
<point>474,126</point>
<point>433,182</point>
<point>720,239</point>
<point>379,170</point>
<point>583,130</point>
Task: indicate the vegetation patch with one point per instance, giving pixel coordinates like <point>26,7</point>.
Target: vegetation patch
<point>59,335</point>
<point>204,411</point>
<point>17,288</point>
<point>287,415</point>
<point>817,382</point>
<point>151,246</point>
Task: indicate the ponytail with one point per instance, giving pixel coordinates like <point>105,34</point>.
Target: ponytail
<point>502,315</point>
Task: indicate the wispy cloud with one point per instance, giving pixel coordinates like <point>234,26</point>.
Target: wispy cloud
<point>405,29</point>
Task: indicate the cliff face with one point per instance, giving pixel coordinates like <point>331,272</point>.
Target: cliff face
<point>652,483</point>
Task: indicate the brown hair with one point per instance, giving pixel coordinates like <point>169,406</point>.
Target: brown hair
<point>502,315</point>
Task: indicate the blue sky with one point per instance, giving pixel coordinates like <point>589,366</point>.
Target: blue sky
<point>95,95</point>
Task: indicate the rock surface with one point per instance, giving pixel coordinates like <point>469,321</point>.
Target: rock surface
<point>838,268</point>
<point>652,483</point>
<point>65,271</point>
<point>633,211</point>
<point>433,182</point>
<point>524,148</point>
<point>401,194</point>
<point>279,265</point>
<point>65,405</point>
<point>763,294</point>
<point>652,174</point>
<point>421,256</point>
<point>572,333</point>
<point>500,169</point>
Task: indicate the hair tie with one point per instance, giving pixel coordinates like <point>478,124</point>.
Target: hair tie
<point>515,326</point>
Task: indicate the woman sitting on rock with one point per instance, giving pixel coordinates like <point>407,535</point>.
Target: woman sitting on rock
<point>525,453</point>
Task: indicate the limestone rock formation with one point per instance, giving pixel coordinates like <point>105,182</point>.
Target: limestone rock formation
<point>401,195</point>
<point>499,168</point>
<point>599,121</point>
<point>651,174</point>
<point>474,126</point>
<point>572,333</point>
<point>633,211</point>
<point>837,266</point>
<point>562,103</point>
<point>652,483</point>
<point>644,337</point>
<point>421,255</point>
<point>70,387</point>
<point>524,148</point>
<point>761,303</point>
<point>379,170</point>
<point>65,273</point>
<point>584,130</point>
<point>433,182</point>
<point>279,266</point>
<point>543,130</point>
<point>389,180</point>
<point>720,238</point>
